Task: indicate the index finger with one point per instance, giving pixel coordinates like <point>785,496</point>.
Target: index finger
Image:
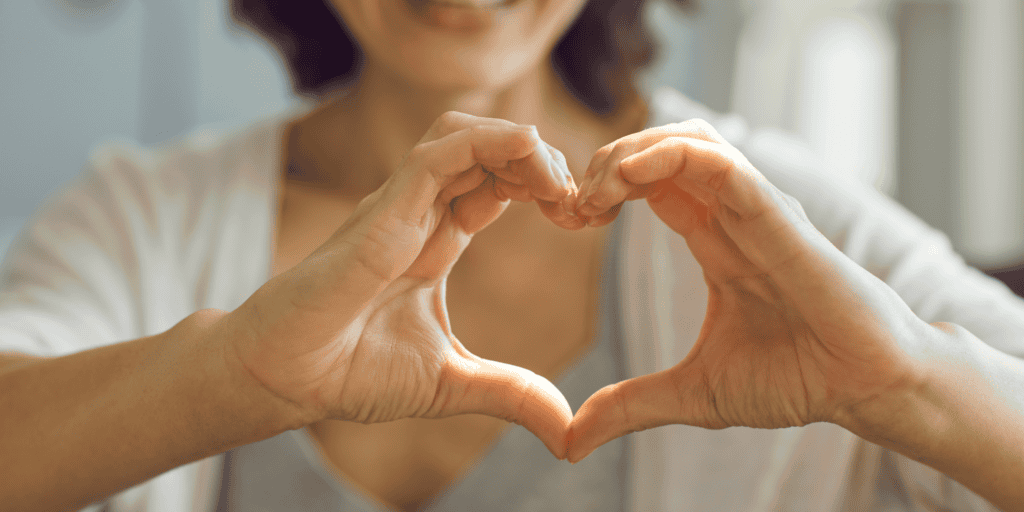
<point>714,167</point>
<point>452,121</point>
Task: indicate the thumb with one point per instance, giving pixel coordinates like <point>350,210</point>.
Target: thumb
<point>474,385</point>
<point>667,397</point>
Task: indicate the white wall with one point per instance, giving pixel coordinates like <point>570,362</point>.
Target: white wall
<point>962,122</point>
<point>74,72</point>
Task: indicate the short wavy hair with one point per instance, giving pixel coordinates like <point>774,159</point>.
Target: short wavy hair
<point>597,58</point>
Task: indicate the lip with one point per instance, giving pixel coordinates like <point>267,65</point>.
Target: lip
<point>460,15</point>
<point>469,4</point>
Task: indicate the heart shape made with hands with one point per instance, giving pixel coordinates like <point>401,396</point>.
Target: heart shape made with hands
<point>365,334</point>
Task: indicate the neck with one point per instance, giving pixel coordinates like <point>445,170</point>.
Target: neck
<point>356,141</point>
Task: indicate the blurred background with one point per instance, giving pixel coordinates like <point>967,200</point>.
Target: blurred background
<point>922,99</point>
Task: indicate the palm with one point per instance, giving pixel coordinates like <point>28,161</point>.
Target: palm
<point>403,343</point>
<point>398,357</point>
<point>359,329</point>
<point>756,360</point>
<point>795,332</point>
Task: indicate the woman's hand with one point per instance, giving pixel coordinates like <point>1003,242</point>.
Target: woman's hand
<point>795,332</point>
<point>359,330</point>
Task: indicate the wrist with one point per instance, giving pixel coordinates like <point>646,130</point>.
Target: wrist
<point>910,416</point>
<point>929,417</point>
<point>961,416</point>
<point>217,333</point>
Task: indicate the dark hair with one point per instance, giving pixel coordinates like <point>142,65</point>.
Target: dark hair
<point>597,58</point>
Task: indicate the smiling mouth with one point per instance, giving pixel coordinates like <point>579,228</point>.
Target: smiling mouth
<point>465,4</point>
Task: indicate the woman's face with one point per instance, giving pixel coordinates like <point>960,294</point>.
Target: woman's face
<point>457,44</point>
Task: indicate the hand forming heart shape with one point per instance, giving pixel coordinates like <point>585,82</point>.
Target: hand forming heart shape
<point>795,332</point>
<point>359,330</point>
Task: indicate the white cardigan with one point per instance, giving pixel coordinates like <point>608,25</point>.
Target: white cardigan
<point>147,236</point>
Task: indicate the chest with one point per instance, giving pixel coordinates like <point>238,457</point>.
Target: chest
<point>524,292</point>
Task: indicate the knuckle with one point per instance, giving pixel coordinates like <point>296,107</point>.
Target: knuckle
<point>449,121</point>
<point>420,160</point>
<point>417,155</point>
<point>605,151</point>
<point>619,398</point>
<point>601,197</point>
<point>525,388</point>
<point>703,129</point>
<point>520,143</point>
<point>702,124</point>
<point>718,179</point>
<point>675,141</point>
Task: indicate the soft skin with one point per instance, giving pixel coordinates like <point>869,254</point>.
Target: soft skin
<point>795,331</point>
<point>357,331</point>
<point>360,321</point>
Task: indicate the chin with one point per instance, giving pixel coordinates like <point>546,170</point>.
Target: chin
<point>459,44</point>
<point>454,70</point>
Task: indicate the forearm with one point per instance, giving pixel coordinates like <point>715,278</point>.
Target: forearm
<point>78,428</point>
<point>963,417</point>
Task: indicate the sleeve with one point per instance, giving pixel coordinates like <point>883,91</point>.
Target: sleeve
<point>94,266</point>
<point>917,261</point>
<point>71,279</point>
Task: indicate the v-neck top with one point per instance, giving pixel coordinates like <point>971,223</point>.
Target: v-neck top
<point>517,473</point>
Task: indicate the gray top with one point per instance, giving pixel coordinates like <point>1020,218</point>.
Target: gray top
<point>287,472</point>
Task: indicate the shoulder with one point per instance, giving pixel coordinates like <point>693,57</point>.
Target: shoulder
<point>201,162</point>
<point>149,193</point>
<point>131,201</point>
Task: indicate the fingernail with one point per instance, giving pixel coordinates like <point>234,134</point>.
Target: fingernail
<point>570,183</point>
<point>564,180</point>
<point>532,129</point>
<point>584,189</point>
<point>568,205</point>
<point>590,192</point>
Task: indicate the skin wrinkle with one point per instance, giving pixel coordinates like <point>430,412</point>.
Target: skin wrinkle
<point>249,371</point>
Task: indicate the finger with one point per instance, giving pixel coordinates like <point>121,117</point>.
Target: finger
<point>607,188</point>
<point>547,178</point>
<point>464,183</point>
<point>514,191</point>
<point>432,166</point>
<point>393,222</point>
<point>562,166</point>
<point>638,404</point>
<point>759,220</point>
<point>562,213</point>
<point>597,162</point>
<point>475,385</point>
<point>506,174</point>
<point>717,167</point>
<point>677,208</point>
<point>452,121</point>
<point>605,218</point>
<point>469,213</point>
<point>695,129</point>
<point>476,209</point>
<point>559,214</point>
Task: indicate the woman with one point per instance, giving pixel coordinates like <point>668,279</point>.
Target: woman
<point>323,267</point>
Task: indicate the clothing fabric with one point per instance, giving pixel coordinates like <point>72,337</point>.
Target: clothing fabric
<point>147,236</point>
<point>517,474</point>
